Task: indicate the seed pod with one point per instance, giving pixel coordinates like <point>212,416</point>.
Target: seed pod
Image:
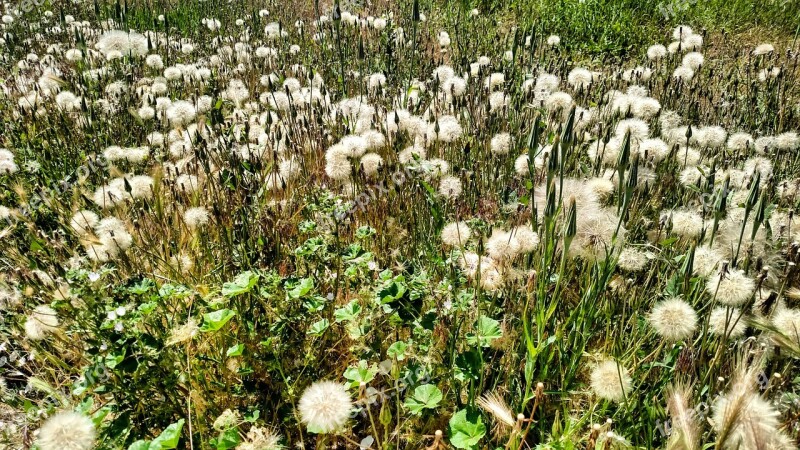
<point>572,218</point>
<point>754,188</point>
<point>550,207</point>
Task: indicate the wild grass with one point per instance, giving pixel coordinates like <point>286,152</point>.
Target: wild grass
<point>355,231</point>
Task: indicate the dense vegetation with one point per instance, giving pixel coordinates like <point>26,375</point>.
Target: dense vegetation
<point>469,225</point>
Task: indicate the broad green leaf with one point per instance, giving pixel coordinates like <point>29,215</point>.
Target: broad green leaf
<point>168,439</point>
<point>243,283</point>
<point>466,429</point>
<point>227,439</point>
<point>397,350</point>
<point>347,312</point>
<point>362,373</point>
<point>304,286</point>
<point>235,350</point>
<point>213,321</point>
<point>141,287</point>
<point>140,445</point>
<point>317,328</point>
<point>113,359</point>
<point>487,330</point>
<point>425,396</point>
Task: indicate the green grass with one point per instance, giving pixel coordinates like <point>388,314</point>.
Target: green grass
<point>285,294</point>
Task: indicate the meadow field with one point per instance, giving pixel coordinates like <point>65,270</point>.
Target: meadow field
<point>420,224</point>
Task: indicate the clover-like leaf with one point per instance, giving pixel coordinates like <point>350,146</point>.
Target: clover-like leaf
<point>466,429</point>
<point>426,396</point>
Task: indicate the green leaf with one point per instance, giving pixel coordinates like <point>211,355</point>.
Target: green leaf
<point>140,445</point>
<point>468,365</point>
<point>348,312</point>
<point>168,439</point>
<point>317,328</point>
<point>113,359</point>
<point>314,303</point>
<point>253,416</point>
<point>487,330</point>
<point>466,429</point>
<point>425,396</point>
<point>227,439</point>
<point>397,350</point>
<point>243,283</point>
<point>213,321</point>
<point>394,291</point>
<point>303,287</point>
<point>362,373</point>
<point>235,350</point>
<point>142,287</point>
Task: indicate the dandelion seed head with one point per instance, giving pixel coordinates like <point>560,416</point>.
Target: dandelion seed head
<point>83,222</point>
<point>733,288</point>
<point>558,102</point>
<point>638,129</point>
<point>681,32</point>
<point>527,239</point>
<point>450,187</point>
<point>610,381</point>
<point>632,259</point>
<point>371,163</point>
<point>67,430</point>
<point>494,81</point>
<point>711,137</point>
<point>686,224</point>
<point>491,277</point>
<point>787,141</point>
<point>122,42</point>
<point>500,143</point>
<point>706,260</point>
<point>740,141</point>
<point>325,406</point>
<point>580,78</point>
<point>645,107</point>
<point>455,87</point>
<point>758,164</point>
<point>763,49</point>
<point>727,321</point>
<point>656,52</point>
<point>196,217</point>
<point>409,154</point>
<point>449,129</point>
<point>683,73</point>
<point>787,322</point>
<point>41,322</point>
<point>456,234</point>
<point>673,319</point>
<point>521,165</point>
<point>693,60</point>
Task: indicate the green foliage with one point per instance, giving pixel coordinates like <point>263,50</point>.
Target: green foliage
<point>427,396</point>
<point>466,429</point>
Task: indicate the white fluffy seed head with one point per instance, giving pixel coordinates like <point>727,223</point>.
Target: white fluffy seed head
<point>610,381</point>
<point>501,144</point>
<point>195,217</point>
<point>325,406</point>
<point>67,431</point>
<point>731,288</point>
<point>41,322</point>
<point>727,321</point>
<point>674,319</point>
<point>450,187</point>
<point>456,234</point>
